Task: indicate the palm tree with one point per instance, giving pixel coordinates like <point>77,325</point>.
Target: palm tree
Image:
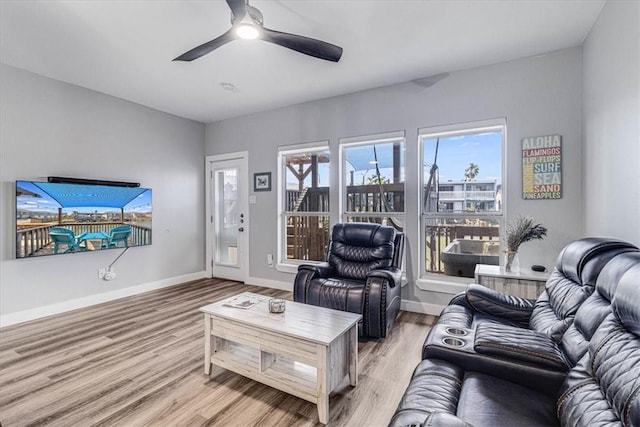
<point>373,180</point>
<point>471,172</point>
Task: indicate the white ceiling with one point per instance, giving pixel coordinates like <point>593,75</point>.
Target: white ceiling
<point>125,48</point>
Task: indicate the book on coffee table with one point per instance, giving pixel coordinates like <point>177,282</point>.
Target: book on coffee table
<point>243,301</point>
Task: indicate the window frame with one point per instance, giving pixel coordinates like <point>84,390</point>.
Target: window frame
<point>284,264</point>
<point>359,141</point>
<point>436,282</point>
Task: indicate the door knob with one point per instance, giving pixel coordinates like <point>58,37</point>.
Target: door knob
<point>241,229</point>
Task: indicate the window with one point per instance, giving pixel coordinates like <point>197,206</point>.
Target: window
<point>304,194</point>
<point>462,197</point>
<point>373,177</point>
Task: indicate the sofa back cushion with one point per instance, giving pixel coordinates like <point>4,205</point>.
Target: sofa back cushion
<point>572,281</point>
<point>604,387</point>
<point>597,306</point>
<point>358,248</point>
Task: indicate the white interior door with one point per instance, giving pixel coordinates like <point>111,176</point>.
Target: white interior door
<point>228,225</point>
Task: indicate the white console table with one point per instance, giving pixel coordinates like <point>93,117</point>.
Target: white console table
<point>525,283</point>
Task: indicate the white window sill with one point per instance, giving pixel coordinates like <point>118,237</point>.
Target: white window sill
<point>288,267</point>
<point>443,284</point>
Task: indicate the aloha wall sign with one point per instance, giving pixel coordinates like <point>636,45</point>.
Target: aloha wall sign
<point>542,167</point>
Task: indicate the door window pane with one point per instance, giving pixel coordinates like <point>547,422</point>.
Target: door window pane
<point>227,211</point>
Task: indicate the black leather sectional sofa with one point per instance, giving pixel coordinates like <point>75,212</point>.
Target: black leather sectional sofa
<point>569,358</point>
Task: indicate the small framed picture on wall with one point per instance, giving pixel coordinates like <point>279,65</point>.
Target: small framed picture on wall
<point>262,181</point>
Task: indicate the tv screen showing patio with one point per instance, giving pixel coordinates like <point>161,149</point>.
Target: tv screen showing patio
<point>60,218</point>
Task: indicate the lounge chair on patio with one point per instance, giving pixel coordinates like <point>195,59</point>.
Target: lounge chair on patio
<point>64,236</point>
<point>118,234</point>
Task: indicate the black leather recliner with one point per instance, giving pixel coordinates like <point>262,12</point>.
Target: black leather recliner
<point>363,274</point>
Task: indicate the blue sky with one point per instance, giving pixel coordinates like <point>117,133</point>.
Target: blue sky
<point>454,156</point>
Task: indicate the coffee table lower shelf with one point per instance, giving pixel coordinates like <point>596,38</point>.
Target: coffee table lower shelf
<point>295,378</point>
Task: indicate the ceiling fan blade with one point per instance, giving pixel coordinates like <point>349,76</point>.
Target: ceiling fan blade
<point>238,8</point>
<point>306,45</point>
<point>207,47</point>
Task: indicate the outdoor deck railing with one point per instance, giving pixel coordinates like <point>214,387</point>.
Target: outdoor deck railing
<point>308,235</point>
<point>360,198</point>
<point>30,240</point>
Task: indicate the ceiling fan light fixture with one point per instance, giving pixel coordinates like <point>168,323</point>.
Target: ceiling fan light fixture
<point>247,23</point>
<point>247,31</point>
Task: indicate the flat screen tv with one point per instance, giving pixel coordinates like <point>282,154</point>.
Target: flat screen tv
<point>61,218</point>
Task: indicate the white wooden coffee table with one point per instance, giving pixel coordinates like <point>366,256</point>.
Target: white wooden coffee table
<point>305,351</point>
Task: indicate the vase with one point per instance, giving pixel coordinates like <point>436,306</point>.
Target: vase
<point>511,262</point>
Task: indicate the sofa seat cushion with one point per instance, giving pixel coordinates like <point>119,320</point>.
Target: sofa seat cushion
<point>492,402</point>
<point>337,294</point>
<point>520,344</point>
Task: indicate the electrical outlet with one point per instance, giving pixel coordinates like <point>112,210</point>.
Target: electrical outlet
<point>110,274</point>
<point>269,259</point>
<point>101,273</point>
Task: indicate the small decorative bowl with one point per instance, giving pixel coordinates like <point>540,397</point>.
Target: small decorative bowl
<point>276,305</point>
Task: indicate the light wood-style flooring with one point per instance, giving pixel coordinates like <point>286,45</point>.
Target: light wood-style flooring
<point>138,361</point>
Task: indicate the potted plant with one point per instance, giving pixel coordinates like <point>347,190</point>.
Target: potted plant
<point>522,230</point>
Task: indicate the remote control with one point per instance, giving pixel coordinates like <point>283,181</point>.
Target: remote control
<point>539,268</point>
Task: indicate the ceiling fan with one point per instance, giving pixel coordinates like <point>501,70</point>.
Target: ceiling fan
<point>246,23</point>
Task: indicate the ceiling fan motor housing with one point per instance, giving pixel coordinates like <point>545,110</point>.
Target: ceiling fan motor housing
<point>246,23</point>
<point>254,14</point>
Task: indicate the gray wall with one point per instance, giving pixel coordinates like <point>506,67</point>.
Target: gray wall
<point>611,123</point>
<point>538,96</point>
<point>53,128</point>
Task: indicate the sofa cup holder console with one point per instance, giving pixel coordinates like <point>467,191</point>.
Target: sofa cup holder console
<point>453,337</point>
<point>456,331</point>
<point>453,342</point>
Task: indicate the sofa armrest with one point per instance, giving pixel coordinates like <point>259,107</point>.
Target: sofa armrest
<point>392,275</point>
<point>460,299</point>
<point>443,419</point>
<point>306,273</point>
<point>323,270</point>
<point>426,419</point>
<point>382,301</point>
<point>494,303</point>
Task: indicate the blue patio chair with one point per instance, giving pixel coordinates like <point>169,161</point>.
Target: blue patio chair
<point>64,236</point>
<point>118,234</point>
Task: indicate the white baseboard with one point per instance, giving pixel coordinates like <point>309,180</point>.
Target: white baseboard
<point>61,307</point>
<point>421,307</point>
<point>49,310</point>
<point>267,283</point>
